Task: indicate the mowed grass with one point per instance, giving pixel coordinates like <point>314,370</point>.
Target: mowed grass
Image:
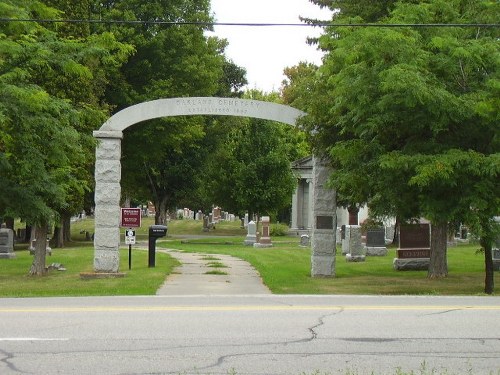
<point>285,268</point>
<point>140,280</point>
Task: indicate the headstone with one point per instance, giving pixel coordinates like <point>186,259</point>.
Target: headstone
<point>206,227</point>
<point>389,234</point>
<point>199,215</point>
<point>375,242</point>
<point>353,245</point>
<point>305,240</point>
<point>245,220</point>
<point>6,243</point>
<point>345,249</point>
<point>265,239</point>
<point>414,249</point>
<point>251,237</point>
<point>216,212</point>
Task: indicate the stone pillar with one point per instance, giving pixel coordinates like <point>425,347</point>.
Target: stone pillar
<point>295,207</point>
<point>324,222</point>
<point>107,201</point>
<point>310,213</point>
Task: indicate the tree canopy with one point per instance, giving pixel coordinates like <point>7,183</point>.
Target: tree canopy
<point>409,116</point>
<point>48,96</point>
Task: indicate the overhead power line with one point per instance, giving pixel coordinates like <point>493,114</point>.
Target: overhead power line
<point>249,24</point>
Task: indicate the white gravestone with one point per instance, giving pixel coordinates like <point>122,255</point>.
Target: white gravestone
<point>251,237</point>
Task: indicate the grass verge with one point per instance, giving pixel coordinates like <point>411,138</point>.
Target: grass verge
<point>140,280</point>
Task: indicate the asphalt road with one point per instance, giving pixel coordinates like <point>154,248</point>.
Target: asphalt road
<point>253,334</point>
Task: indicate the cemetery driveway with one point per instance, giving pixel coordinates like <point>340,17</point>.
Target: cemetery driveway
<point>204,274</point>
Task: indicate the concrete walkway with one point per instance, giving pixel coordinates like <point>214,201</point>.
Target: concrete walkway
<point>191,277</point>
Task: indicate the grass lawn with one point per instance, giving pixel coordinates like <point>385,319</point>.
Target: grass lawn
<point>140,280</point>
<point>285,268</point>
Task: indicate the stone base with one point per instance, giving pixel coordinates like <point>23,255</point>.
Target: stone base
<point>250,240</point>
<point>101,275</point>
<point>8,255</point>
<point>411,264</point>
<point>376,251</point>
<point>355,258</point>
<point>262,245</point>
<point>323,265</point>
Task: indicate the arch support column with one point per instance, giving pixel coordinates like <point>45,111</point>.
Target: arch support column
<point>107,201</point>
<point>324,222</point>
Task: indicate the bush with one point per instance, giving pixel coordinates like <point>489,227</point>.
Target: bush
<point>278,230</point>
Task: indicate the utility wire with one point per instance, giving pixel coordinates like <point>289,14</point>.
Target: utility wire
<point>250,24</point>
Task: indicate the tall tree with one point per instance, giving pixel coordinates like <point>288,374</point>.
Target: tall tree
<point>250,170</point>
<point>402,112</point>
<point>40,115</point>
<point>170,61</point>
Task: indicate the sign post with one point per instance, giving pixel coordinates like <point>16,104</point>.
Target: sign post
<point>130,218</point>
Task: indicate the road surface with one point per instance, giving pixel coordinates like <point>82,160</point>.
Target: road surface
<point>250,334</point>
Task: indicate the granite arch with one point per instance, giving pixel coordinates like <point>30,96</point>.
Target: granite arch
<point>108,173</point>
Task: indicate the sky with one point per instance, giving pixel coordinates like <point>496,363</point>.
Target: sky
<point>265,51</point>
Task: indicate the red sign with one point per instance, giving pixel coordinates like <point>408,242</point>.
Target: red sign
<point>131,217</point>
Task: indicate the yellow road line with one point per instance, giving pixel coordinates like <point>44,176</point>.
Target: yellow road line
<point>63,309</point>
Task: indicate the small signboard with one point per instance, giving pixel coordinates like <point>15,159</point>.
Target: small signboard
<point>130,237</point>
<point>131,217</point>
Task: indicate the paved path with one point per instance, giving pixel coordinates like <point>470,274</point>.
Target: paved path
<point>191,277</point>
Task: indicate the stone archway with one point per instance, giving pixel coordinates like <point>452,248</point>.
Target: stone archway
<point>108,173</point>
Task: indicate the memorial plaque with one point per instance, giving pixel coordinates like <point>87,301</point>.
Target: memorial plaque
<point>324,222</point>
<point>414,236</point>
<point>375,237</point>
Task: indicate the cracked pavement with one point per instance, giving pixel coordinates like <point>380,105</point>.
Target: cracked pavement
<point>248,334</point>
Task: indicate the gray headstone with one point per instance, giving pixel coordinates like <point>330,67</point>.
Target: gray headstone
<point>251,237</point>
<point>6,243</point>
<point>375,237</point>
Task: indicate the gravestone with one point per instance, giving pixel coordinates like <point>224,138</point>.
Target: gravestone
<point>265,239</point>
<point>352,244</point>
<point>375,242</point>
<point>305,240</point>
<point>251,237</point>
<point>206,227</point>
<point>6,243</point>
<point>414,249</point>
<point>389,234</point>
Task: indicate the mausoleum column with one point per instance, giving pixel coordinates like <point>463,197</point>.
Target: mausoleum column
<point>107,201</point>
<point>295,206</point>
<point>324,222</point>
<point>309,213</point>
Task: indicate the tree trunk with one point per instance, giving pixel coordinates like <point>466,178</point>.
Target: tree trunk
<point>438,266</point>
<point>161,212</point>
<point>489,279</point>
<point>57,239</point>
<point>38,265</point>
<point>66,226</point>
